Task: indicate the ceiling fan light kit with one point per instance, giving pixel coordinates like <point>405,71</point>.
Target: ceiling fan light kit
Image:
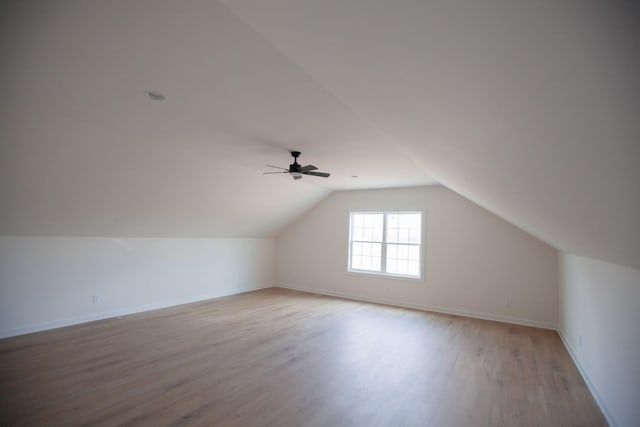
<point>296,170</point>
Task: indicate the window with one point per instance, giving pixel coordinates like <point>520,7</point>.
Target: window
<point>386,243</point>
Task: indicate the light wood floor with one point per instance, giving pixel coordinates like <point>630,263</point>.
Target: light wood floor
<point>281,358</point>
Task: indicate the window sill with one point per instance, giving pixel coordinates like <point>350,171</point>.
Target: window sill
<point>385,276</point>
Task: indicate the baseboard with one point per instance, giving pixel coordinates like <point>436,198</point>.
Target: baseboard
<point>592,388</point>
<point>444,310</point>
<point>122,312</point>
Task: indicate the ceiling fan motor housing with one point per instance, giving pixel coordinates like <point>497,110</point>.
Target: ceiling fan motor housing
<point>295,166</point>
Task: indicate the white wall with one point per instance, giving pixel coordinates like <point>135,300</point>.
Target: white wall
<point>600,302</point>
<point>475,261</point>
<point>48,282</point>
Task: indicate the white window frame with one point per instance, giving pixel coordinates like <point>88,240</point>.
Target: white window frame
<point>384,243</point>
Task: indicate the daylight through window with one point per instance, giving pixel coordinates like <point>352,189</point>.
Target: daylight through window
<point>386,243</point>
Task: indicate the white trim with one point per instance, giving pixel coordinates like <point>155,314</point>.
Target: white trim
<point>592,388</point>
<point>475,315</point>
<point>121,312</point>
<point>384,276</point>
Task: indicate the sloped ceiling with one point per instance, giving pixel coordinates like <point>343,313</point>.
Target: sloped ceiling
<point>85,153</point>
<point>528,108</point>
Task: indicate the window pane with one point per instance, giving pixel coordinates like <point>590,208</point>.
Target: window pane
<point>356,248</point>
<point>377,234</point>
<point>403,252</point>
<point>404,221</point>
<point>392,221</point>
<point>356,262</point>
<point>367,227</point>
<point>413,268</point>
<point>414,235</point>
<point>357,234</point>
<point>366,256</point>
<point>373,220</point>
<point>392,265</point>
<point>392,235</point>
<point>414,253</point>
<point>403,259</point>
<point>392,251</point>
<point>415,221</point>
<point>376,249</point>
<point>366,249</point>
<point>404,228</point>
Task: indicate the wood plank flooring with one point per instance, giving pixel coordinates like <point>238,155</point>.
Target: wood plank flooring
<point>282,358</point>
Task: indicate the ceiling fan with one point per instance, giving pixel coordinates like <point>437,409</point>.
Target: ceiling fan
<point>296,171</point>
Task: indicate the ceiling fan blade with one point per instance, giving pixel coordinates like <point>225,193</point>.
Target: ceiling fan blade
<point>307,168</point>
<point>278,167</point>
<point>322,174</point>
<point>268,173</point>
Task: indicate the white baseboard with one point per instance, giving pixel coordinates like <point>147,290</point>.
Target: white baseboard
<point>122,312</point>
<point>592,388</point>
<point>475,315</point>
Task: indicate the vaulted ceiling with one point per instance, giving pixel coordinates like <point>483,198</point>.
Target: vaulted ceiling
<point>530,109</point>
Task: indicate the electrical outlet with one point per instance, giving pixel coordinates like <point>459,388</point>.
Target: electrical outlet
<point>580,340</point>
<point>507,302</point>
<point>95,299</point>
